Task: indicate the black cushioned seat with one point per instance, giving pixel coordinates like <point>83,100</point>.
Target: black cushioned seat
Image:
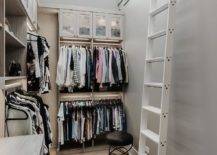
<point>119,138</point>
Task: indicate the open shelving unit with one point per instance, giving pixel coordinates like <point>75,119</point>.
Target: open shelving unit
<point>13,40</point>
<point>14,8</point>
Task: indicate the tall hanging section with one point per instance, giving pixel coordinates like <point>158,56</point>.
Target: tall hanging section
<point>157,65</point>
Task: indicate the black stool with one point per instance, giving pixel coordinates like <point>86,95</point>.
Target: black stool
<point>118,141</point>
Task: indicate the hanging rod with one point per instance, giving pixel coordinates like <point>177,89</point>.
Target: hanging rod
<point>107,44</point>
<point>36,35</point>
<point>75,39</point>
<point>90,96</point>
<point>74,42</point>
<point>13,85</point>
<point>106,96</point>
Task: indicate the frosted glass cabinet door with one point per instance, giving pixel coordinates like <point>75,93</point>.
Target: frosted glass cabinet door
<point>68,22</point>
<point>100,25</point>
<point>84,24</point>
<point>115,26</point>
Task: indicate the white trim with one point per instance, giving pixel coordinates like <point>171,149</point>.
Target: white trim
<point>77,8</point>
<point>133,151</point>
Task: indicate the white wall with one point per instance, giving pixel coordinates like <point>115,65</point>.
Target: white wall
<point>135,43</point>
<point>193,123</point>
<point>103,4</point>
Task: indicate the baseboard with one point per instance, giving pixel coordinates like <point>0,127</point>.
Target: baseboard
<point>133,151</point>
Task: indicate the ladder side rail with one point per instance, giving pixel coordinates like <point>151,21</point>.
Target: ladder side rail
<point>167,78</point>
<point>145,98</point>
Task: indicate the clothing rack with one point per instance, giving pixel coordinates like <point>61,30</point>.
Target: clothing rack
<point>36,35</point>
<point>114,98</point>
<point>93,96</point>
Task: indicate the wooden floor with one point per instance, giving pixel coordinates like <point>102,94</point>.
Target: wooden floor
<point>101,150</point>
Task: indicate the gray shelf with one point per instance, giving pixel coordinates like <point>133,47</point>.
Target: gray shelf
<point>12,41</point>
<point>14,8</point>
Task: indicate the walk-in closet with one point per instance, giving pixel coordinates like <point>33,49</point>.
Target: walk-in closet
<point>108,77</point>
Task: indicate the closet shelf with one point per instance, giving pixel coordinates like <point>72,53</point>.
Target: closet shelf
<point>107,41</point>
<point>151,135</point>
<point>157,59</point>
<point>159,9</point>
<point>153,84</point>
<point>152,109</point>
<point>12,41</point>
<point>14,78</point>
<point>74,39</point>
<point>15,8</point>
<point>157,34</point>
<point>13,85</point>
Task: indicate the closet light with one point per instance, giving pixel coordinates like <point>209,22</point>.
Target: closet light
<point>113,24</point>
<point>101,21</point>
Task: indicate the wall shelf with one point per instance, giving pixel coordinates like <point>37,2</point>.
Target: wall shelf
<point>95,40</point>
<point>9,78</point>
<point>12,41</point>
<point>14,8</point>
<point>12,47</point>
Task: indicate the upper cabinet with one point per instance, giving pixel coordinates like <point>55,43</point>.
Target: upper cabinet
<point>90,25</point>
<point>84,24</point>
<point>75,24</point>
<point>68,24</point>
<point>115,27</point>
<point>100,25</point>
<point>107,26</point>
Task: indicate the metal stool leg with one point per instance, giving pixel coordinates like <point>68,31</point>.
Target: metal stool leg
<point>109,150</point>
<point>120,149</point>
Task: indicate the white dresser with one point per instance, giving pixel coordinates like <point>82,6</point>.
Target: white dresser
<point>22,145</point>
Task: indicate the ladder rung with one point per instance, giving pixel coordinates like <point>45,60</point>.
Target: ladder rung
<point>152,109</point>
<point>151,135</point>
<point>153,84</point>
<point>158,59</point>
<point>159,9</point>
<point>157,34</point>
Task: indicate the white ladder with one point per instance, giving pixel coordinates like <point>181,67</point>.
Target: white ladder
<point>159,138</point>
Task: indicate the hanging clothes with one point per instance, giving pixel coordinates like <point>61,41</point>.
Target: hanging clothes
<point>38,119</point>
<point>81,70</point>
<point>74,68</point>
<point>81,121</point>
<point>38,74</point>
<point>111,69</point>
